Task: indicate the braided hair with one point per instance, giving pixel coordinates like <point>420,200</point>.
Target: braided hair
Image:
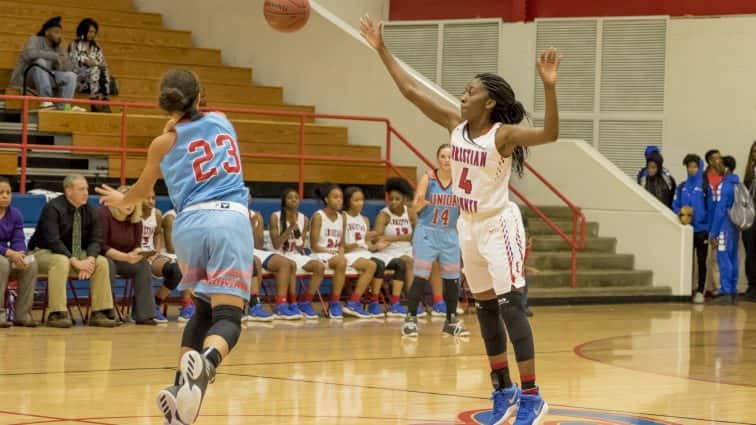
<point>282,218</point>
<point>508,110</point>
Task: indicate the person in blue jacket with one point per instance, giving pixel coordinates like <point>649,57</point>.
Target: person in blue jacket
<point>690,205</point>
<point>725,236</point>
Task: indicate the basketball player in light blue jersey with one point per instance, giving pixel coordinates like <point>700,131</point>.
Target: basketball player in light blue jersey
<point>436,239</point>
<point>198,157</point>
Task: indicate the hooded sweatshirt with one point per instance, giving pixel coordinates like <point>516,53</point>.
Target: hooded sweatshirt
<point>720,220</point>
<point>662,185</point>
<point>643,172</point>
<point>690,193</point>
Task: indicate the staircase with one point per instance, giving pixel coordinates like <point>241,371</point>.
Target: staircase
<point>602,273</point>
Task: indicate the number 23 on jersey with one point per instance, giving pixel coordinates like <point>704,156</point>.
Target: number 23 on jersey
<point>225,146</point>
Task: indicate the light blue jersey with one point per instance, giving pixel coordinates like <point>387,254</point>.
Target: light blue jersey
<point>204,164</point>
<point>442,213</point>
<point>435,237</point>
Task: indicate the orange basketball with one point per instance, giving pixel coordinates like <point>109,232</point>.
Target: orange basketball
<point>287,15</point>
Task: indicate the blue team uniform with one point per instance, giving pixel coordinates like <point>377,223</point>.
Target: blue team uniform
<point>727,235</point>
<point>212,233</point>
<point>435,238</point>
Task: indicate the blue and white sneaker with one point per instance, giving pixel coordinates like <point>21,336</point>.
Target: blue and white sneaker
<point>439,309</point>
<point>397,310</point>
<point>159,316</point>
<point>375,310</point>
<point>294,308</point>
<point>354,308</point>
<point>307,311</point>
<point>505,402</point>
<point>334,310</point>
<point>421,310</point>
<point>532,410</point>
<point>283,312</point>
<point>258,314</point>
<point>186,313</point>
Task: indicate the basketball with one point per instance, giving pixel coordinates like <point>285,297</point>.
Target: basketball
<point>287,15</point>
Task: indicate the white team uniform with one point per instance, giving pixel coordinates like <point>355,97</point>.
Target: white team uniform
<point>330,236</point>
<point>397,225</point>
<point>260,253</point>
<point>491,233</point>
<point>149,227</point>
<point>294,244</point>
<point>356,229</point>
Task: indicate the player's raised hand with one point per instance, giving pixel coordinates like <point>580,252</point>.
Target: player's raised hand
<point>548,66</point>
<point>110,197</point>
<point>372,32</point>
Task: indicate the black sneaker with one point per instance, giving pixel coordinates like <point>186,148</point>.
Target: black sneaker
<point>196,373</point>
<point>455,328</point>
<point>168,405</point>
<point>723,300</point>
<point>409,329</point>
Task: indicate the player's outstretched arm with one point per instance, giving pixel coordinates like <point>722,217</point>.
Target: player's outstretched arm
<point>510,136</point>
<point>419,202</point>
<point>440,113</point>
<point>150,174</point>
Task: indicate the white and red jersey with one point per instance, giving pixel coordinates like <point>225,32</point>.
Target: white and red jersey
<point>398,225</point>
<point>149,227</point>
<point>331,231</point>
<point>356,229</point>
<point>480,175</point>
<point>293,243</point>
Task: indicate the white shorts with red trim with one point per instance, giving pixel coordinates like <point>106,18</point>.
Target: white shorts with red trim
<point>493,251</point>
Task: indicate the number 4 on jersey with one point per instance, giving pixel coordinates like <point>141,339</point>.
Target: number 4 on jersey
<point>465,183</point>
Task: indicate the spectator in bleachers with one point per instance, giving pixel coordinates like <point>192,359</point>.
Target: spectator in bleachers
<point>749,236</point>
<point>67,243</point>
<point>659,183</point>
<point>122,245</point>
<point>725,235</point>
<point>89,64</point>
<point>14,263</point>
<point>690,206</point>
<point>51,74</point>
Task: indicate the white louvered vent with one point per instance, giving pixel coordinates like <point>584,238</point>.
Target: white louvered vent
<point>572,129</point>
<point>416,45</point>
<point>624,142</point>
<point>468,49</point>
<point>633,64</point>
<point>576,40</point>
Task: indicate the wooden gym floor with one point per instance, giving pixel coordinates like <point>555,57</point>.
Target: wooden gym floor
<point>624,364</point>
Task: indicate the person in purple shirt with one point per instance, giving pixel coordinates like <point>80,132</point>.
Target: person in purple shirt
<point>14,263</point>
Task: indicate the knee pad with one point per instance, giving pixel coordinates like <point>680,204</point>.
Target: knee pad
<point>380,267</point>
<point>491,327</point>
<point>399,267</point>
<point>171,275</point>
<point>198,326</point>
<point>227,324</point>
<point>516,322</point>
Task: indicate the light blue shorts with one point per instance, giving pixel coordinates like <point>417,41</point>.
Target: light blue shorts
<point>215,252</point>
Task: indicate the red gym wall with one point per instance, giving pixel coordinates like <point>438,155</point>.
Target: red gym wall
<point>521,10</point>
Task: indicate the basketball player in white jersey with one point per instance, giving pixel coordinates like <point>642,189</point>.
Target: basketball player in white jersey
<point>289,229</point>
<point>162,265</point>
<point>327,241</point>
<point>487,144</point>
